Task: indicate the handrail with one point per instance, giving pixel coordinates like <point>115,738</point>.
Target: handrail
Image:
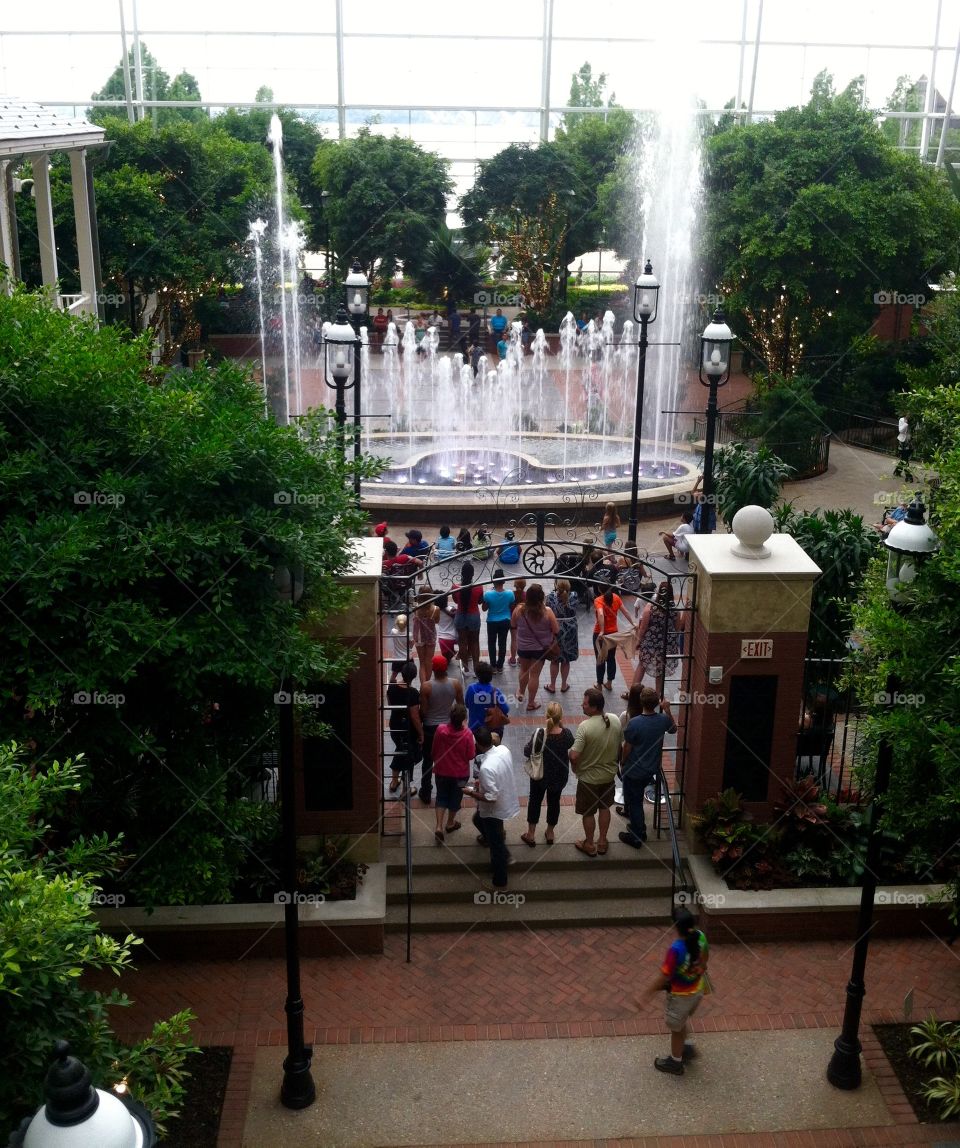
<point>677,869</point>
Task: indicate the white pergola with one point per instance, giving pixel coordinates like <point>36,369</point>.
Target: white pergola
<point>31,132</point>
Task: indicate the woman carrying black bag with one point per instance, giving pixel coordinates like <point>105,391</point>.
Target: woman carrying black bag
<point>552,744</point>
<point>406,728</point>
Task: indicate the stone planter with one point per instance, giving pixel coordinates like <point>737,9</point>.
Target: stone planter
<point>826,913</point>
<point>256,930</point>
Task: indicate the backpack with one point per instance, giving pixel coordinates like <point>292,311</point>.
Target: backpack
<point>534,763</point>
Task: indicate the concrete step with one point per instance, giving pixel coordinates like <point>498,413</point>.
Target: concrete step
<point>506,910</point>
<point>534,882</point>
<point>463,853</point>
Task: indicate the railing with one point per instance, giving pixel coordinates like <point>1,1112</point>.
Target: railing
<point>74,304</point>
<point>866,431</point>
<point>830,728</point>
<point>679,881</point>
<point>808,457</point>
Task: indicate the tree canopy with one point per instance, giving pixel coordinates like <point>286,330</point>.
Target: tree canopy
<point>143,517</point>
<point>386,196</point>
<point>157,85</point>
<point>811,215</point>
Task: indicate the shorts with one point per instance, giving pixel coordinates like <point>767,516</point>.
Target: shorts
<point>449,793</point>
<point>680,1007</point>
<point>467,622</point>
<point>590,798</point>
<point>609,538</point>
<point>447,647</point>
<point>533,655</point>
<point>396,667</point>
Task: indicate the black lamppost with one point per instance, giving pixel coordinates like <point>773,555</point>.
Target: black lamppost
<point>715,364</point>
<point>908,543</point>
<point>646,295</point>
<point>358,297</point>
<point>297,1089</point>
<point>341,371</point>
<point>77,1115</point>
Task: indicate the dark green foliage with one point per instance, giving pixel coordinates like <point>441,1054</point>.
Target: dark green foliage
<point>842,545</point>
<point>811,214</point>
<point>49,937</point>
<point>387,196</point>
<point>448,268</point>
<point>747,477</point>
<point>142,520</point>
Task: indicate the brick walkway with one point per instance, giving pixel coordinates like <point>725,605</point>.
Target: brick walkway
<point>550,984</point>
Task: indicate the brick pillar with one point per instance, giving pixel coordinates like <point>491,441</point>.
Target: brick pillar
<point>338,777</point>
<point>749,644</point>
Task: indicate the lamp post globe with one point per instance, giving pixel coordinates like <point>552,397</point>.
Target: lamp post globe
<point>908,544</point>
<point>77,1115</point>
<point>715,346</point>
<point>909,540</point>
<point>358,291</point>
<point>646,297</point>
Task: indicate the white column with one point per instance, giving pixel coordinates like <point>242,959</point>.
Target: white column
<point>45,232</point>
<point>6,229</point>
<point>81,212</point>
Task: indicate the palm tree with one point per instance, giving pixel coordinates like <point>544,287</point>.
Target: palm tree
<point>449,268</point>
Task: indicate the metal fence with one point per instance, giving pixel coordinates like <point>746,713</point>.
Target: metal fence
<point>830,729</point>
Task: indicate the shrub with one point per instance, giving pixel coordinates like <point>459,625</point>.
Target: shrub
<point>746,477</point>
<point>49,937</point>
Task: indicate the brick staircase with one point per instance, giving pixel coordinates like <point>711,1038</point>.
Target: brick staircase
<point>549,887</point>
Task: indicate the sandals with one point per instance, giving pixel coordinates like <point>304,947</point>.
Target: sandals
<point>602,847</point>
<point>550,689</point>
<point>535,706</point>
<point>454,827</point>
<point>608,685</point>
<point>438,836</point>
<point>549,840</point>
<point>587,849</point>
<point>528,841</point>
<point>563,689</point>
<point>394,785</point>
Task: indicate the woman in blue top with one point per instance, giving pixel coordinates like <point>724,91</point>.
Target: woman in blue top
<point>497,604</point>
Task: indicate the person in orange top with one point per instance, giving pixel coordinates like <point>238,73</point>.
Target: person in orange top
<point>608,607</point>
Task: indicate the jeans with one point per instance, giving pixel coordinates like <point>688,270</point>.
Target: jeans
<point>537,791</point>
<point>611,662</point>
<point>426,770</point>
<point>497,633</point>
<point>633,787</point>
<point>492,829</point>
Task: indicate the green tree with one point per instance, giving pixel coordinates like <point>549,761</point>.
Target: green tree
<point>386,196</point>
<point>141,521</point>
<point>50,937</point>
<point>450,268</point>
<point>155,80</point>
<point>809,216</point>
<point>301,138</point>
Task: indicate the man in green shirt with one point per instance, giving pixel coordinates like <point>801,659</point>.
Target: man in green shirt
<point>594,758</point>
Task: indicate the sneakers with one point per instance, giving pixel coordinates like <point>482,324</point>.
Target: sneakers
<point>669,1065</point>
<point>629,839</point>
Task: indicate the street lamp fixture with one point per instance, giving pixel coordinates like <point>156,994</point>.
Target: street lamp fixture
<point>908,544</point>
<point>77,1115</point>
<point>358,293</point>
<point>646,296</point>
<point>715,344</point>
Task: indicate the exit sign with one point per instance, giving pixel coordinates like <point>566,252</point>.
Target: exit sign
<point>757,648</point>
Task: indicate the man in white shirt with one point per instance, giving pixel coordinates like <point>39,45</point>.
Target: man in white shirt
<point>497,801</point>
